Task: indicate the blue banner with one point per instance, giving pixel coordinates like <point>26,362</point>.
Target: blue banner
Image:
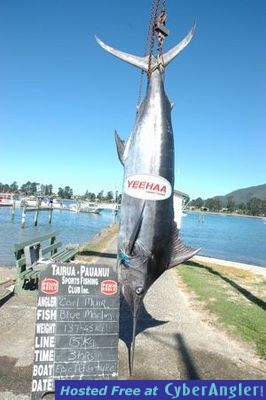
<point>160,390</point>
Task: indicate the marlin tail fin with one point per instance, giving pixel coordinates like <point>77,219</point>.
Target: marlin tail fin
<point>143,62</point>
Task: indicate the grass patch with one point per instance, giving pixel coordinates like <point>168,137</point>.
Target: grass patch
<point>98,244</point>
<point>234,296</point>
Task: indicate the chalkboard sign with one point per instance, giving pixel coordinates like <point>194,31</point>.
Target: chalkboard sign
<point>77,324</point>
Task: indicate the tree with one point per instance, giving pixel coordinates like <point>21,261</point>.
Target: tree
<point>242,207</point>
<point>92,196</point>
<point>29,188</point>
<point>100,196</point>
<point>34,187</point>
<point>5,188</point>
<point>65,193</point>
<point>255,206</point>
<point>198,203</point>
<point>263,208</point>
<point>26,188</point>
<point>14,187</point>
<point>110,196</point>
<point>61,192</point>
<point>50,189</point>
<point>231,205</point>
<point>213,204</point>
<point>68,192</point>
<point>42,189</point>
<point>89,196</point>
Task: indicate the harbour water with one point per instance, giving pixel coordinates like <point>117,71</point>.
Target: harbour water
<point>227,237</point>
<point>239,239</point>
<point>73,228</point>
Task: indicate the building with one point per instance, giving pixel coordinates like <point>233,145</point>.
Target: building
<point>180,199</point>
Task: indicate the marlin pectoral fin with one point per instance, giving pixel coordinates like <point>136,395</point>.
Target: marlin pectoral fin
<point>180,252</point>
<point>135,232</point>
<point>120,146</point>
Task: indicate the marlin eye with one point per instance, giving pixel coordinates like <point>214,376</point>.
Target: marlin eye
<point>139,290</point>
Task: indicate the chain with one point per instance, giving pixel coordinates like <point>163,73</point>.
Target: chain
<point>160,43</point>
<point>149,44</point>
<point>152,32</point>
<point>150,39</point>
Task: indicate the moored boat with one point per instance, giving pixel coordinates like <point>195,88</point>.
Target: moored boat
<point>86,207</point>
<point>90,208</point>
<point>7,199</point>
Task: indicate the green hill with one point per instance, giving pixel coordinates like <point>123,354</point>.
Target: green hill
<point>244,195</point>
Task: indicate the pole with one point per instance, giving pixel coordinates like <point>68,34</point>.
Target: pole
<point>13,211</point>
<point>50,213</point>
<point>36,217</point>
<point>23,217</point>
<point>37,212</point>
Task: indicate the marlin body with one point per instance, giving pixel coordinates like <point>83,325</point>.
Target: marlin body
<point>148,235</point>
<point>148,241</point>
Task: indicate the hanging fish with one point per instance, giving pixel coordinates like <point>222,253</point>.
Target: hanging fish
<point>148,240</point>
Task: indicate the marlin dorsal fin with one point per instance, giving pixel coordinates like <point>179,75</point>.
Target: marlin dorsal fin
<point>180,253</point>
<point>120,146</point>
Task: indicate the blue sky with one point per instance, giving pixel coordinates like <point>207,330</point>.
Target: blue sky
<point>62,96</point>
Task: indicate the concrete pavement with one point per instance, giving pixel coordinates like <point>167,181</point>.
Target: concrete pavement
<point>174,340</point>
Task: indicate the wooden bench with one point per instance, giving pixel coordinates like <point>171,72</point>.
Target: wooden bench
<point>32,256</point>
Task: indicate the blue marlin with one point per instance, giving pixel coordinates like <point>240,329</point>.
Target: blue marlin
<point>148,240</point>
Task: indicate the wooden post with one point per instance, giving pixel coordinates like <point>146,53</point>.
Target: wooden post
<point>50,213</point>
<point>36,217</point>
<point>23,217</point>
<point>37,212</point>
<point>13,211</point>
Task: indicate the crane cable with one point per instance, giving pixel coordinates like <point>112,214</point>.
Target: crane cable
<point>150,40</point>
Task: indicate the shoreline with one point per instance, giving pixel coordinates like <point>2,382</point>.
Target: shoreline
<point>10,272</point>
<point>109,231</point>
<point>256,269</point>
<point>223,214</point>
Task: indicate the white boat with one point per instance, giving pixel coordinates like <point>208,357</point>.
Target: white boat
<point>58,204</point>
<point>7,199</point>
<point>89,208</point>
<point>29,201</point>
<point>86,207</point>
<point>42,202</point>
